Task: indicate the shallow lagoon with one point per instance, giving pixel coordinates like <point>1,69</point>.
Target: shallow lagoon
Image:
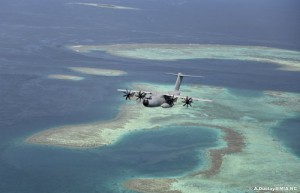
<point>288,132</point>
<point>157,153</point>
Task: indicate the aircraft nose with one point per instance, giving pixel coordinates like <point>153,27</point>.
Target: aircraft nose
<point>145,102</point>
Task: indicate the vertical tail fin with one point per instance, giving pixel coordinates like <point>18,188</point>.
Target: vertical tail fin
<point>179,79</point>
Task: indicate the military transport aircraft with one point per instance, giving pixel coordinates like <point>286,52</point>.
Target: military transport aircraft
<point>162,99</point>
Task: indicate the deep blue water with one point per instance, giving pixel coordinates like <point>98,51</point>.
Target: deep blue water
<point>33,34</point>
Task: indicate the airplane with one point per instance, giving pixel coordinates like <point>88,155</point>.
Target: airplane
<point>162,99</point>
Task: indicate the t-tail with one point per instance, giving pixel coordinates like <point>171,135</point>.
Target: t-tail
<point>179,79</point>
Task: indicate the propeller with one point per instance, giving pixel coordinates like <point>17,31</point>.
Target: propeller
<point>171,100</point>
<point>187,101</point>
<point>128,94</point>
<point>140,95</point>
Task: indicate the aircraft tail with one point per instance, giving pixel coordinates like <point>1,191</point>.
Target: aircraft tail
<point>179,79</point>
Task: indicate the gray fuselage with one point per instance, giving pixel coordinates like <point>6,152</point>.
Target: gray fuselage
<point>160,99</point>
<point>164,99</point>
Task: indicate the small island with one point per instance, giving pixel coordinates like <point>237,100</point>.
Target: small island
<point>288,60</point>
<point>98,71</point>
<point>65,77</point>
<point>108,6</point>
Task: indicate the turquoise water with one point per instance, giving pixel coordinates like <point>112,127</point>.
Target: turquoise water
<point>156,153</point>
<point>288,133</point>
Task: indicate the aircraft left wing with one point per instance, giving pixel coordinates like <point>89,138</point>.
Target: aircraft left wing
<point>130,93</point>
<point>134,91</point>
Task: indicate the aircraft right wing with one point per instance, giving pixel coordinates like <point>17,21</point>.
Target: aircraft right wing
<point>186,100</point>
<point>192,98</point>
<point>189,100</point>
<point>199,99</point>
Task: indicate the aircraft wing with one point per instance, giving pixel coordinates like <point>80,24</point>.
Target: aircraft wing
<point>134,91</point>
<point>193,98</point>
<point>199,99</point>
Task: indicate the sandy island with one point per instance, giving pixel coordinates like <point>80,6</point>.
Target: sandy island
<point>287,59</point>
<point>89,71</point>
<point>65,77</point>
<point>98,71</point>
<point>251,157</point>
<point>109,6</point>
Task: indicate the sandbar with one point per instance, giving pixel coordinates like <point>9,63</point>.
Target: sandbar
<point>108,6</point>
<point>65,77</point>
<point>250,157</point>
<point>288,60</point>
<point>155,185</point>
<point>98,71</point>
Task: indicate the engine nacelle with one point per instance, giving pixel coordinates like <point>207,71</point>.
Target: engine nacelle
<point>166,105</point>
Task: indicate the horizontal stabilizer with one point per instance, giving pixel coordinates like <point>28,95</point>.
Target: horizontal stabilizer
<point>179,79</point>
<point>184,75</point>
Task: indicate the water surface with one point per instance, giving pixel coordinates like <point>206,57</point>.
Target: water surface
<point>156,153</point>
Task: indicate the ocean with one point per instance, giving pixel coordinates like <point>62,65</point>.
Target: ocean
<point>34,35</point>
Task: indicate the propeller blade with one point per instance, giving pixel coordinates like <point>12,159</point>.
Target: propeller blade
<point>187,102</point>
<point>140,95</point>
<point>128,94</point>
